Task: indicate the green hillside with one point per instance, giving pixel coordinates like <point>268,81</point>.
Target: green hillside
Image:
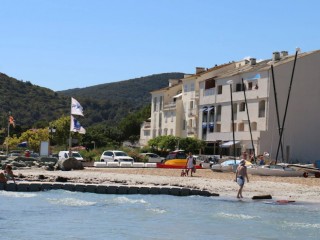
<point>136,91</point>
<point>34,106</point>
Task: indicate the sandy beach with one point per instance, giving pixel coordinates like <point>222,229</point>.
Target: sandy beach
<point>287,188</point>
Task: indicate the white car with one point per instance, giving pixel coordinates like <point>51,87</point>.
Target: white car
<point>152,157</point>
<point>65,155</point>
<point>115,156</point>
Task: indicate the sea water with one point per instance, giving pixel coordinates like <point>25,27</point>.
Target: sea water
<point>59,214</point>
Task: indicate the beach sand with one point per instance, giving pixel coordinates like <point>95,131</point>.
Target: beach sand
<point>280,188</point>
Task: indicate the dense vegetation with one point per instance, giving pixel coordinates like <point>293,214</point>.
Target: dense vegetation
<point>114,110</point>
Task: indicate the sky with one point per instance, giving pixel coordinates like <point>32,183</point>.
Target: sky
<point>66,44</point>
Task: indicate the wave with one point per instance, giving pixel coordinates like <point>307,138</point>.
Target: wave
<point>126,200</point>
<point>302,225</point>
<point>236,216</point>
<point>156,210</point>
<point>18,194</point>
<point>73,202</point>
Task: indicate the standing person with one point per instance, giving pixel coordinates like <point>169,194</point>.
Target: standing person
<point>7,175</point>
<point>190,164</point>
<point>241,174</point>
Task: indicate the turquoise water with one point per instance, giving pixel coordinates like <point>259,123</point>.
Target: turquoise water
<point>60,214</point>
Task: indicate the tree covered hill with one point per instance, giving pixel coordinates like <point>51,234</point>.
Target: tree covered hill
<point>135,91</point>
<point>35,106</point>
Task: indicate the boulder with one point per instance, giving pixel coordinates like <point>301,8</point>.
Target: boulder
<point>69,164</point>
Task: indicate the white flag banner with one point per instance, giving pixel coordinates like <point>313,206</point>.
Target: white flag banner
<point>75,126</point>
<point>76,108</point>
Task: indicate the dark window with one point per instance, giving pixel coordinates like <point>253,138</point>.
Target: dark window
<point>210,83</point>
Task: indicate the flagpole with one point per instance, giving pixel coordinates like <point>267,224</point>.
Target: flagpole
<point>8,133</point>
<point>70,137</point>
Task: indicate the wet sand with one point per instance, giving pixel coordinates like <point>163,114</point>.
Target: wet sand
<point>287,188</point>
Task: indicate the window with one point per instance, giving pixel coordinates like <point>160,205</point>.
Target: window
<point>165,131</point>
<point>234,126</point>
<point>171,116</point>
<point>185,88</point>
<point>210,83</point>
<point>192,87</point>
<point>184,123</point>
<point>160,103</point>
<point>220,89</point>
<point>146,132</point>
<point>250,85</point>
<point>254,126</point>
<point>242,107</point>
<point>160,120</point>
<point>241,127</point>
<point>239,87</point>
<point>165,117</point>
<point>219,113</point>
<point>262,108</point>
<point>171,131</point>
<point>155,104</point>
<point>218,127</point>
<point>159,132</point>
<point>191,104</point>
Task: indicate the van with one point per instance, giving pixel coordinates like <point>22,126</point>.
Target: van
<point>65,155</point>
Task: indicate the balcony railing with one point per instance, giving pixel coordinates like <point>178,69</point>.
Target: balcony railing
<point>169,106</point>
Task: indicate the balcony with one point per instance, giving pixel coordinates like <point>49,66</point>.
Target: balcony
<point>169,106</point>
<point>146,125</point>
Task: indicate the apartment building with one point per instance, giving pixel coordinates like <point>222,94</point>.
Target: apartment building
<point>199,106</point>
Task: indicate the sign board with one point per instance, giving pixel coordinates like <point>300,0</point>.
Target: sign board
<point>44,148</point>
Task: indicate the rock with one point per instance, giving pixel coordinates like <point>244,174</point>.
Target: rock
<point>69,164</point>
<point>61,179</point>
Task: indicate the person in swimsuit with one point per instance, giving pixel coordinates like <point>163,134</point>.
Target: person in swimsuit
<point>190,164</point>
<point>7,175</point>
<point>241,174</point>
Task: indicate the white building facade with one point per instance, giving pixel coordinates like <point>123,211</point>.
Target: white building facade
<point>200,106</point>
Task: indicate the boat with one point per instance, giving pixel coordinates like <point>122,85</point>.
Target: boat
<point>306,169</point>
<point>229,165</point>
<point>175,159</point>
<point>277,170</point>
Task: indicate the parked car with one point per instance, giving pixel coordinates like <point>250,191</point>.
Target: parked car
<point>65,155</point>
<point>115,156</point>
<point>152,157</point>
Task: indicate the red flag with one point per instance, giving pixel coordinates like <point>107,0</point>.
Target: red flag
<point>11,121</point>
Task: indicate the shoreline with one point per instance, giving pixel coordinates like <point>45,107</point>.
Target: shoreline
<point>280,188</point>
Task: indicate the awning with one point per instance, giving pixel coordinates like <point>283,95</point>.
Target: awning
<point>252,78</point>
<point>179,95</point>
<point>210,108</point>
<point>204,109</point>
<point>228,144</point>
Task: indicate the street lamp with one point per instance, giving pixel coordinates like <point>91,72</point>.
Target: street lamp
<point>94,144</point>
<point>52,130</point>
<point>230,82</point>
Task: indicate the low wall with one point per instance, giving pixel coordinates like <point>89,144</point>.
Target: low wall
<point>103,189</point>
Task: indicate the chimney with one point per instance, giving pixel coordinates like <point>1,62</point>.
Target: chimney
<point>275,56</point>
<point>253,61</point>
<point>284,53</point>
<point>200,70</point>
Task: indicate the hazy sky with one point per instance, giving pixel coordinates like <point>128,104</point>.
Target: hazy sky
<point>63,44</point>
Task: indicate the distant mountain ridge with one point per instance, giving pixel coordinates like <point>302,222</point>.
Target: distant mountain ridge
<point>134,90</point>
<point>32,105</point>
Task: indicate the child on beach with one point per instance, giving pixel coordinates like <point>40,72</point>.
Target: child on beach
<point>7,175</point>
<point>241,174</point>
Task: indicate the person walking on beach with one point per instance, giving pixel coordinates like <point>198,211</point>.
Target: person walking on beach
<point>241,174</point>
<point>190,164</point>
<point>7,174</point>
